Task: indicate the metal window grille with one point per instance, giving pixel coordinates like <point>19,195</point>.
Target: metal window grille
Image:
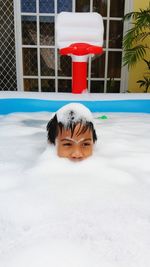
<point>8,80</point>
<point>41,66</point>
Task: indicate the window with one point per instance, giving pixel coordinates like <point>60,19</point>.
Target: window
<point>43,69</point>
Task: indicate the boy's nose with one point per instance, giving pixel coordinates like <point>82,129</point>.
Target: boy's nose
<point>77,154</point>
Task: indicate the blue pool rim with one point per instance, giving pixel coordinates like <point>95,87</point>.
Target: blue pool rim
<point>10,105</point>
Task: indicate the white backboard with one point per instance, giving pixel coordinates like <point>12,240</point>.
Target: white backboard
<point>74,27</point>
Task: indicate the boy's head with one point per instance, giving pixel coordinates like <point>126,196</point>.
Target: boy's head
<point>72,131</point>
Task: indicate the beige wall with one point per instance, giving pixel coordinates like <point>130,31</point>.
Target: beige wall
<point>136,73</point>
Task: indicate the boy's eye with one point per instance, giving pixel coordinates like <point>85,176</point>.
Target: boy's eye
<point>67,144</point>
<point>86,144</point>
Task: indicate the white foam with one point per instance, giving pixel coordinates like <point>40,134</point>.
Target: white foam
<point>54,212</point>
<point>74,112</point>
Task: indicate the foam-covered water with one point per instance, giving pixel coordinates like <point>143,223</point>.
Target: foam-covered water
<point>54,212</point>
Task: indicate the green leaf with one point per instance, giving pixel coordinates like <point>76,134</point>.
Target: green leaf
<point>139,32</point>
<point>144,83</point>
<point>133,55</point>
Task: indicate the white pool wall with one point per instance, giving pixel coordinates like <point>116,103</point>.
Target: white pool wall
<point>69,96</point>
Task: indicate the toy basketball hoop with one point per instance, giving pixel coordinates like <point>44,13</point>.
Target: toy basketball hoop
<point>79,35</point>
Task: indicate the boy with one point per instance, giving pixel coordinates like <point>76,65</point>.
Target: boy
<point>71,129</point>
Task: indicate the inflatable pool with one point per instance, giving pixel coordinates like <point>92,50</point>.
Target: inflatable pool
<point>35,102</point>
<point>55,212</point>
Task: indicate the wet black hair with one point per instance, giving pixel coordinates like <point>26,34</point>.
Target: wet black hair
<point>54,126</point>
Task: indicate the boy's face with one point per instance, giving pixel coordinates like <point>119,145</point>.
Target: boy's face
<point>76,147</point>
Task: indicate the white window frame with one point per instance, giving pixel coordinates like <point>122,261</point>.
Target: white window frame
<point>124,70</point>
<point>19,61</point>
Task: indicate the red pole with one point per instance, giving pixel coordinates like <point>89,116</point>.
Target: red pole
<point>79,74</point>
<point>79,53</point>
